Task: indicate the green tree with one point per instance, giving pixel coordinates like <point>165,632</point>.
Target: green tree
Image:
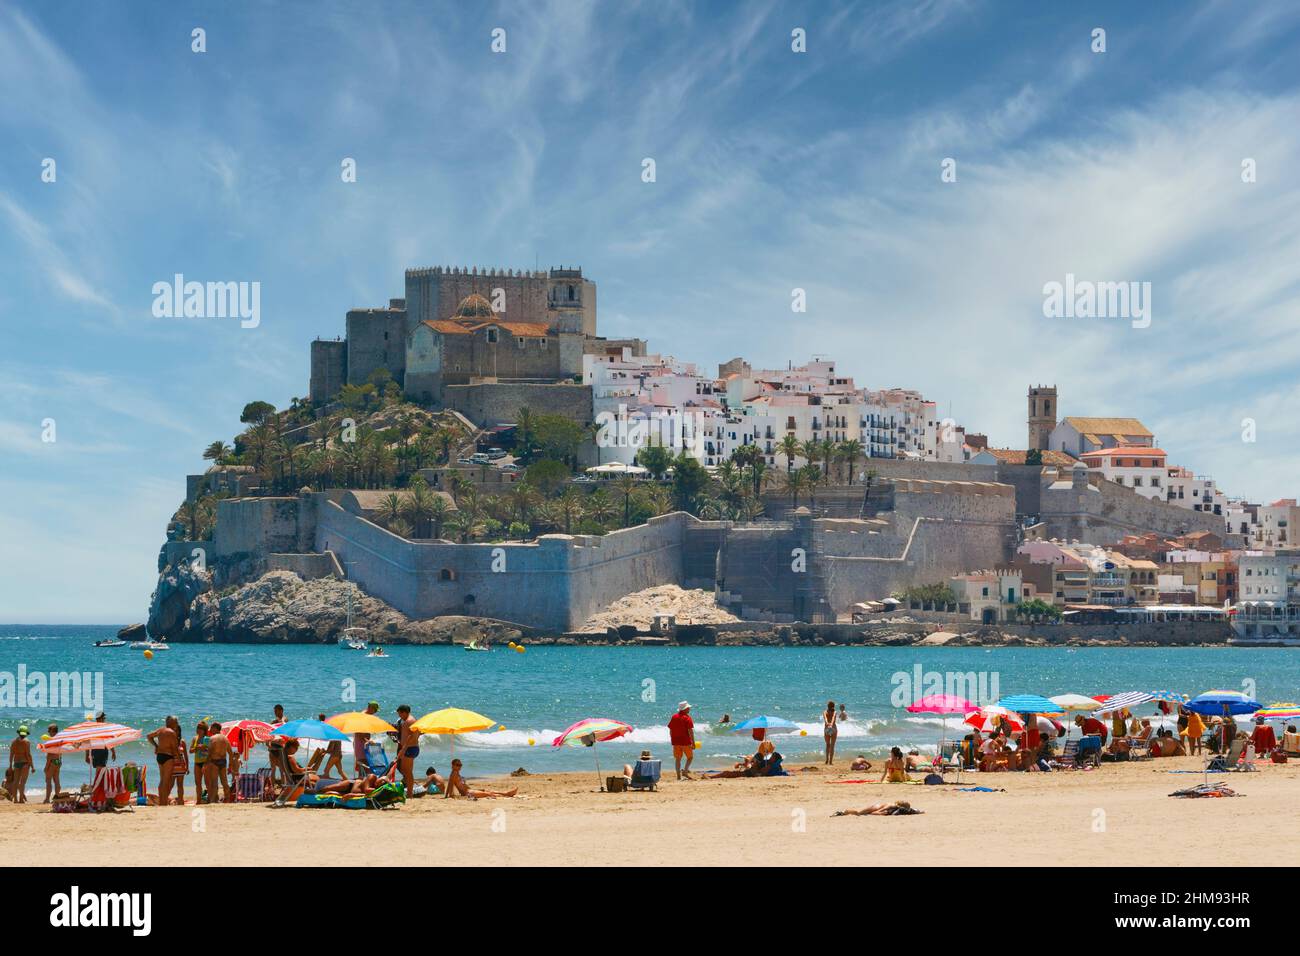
<point>547,475</point>
<point>851,451</point>
<point>689,482</point>
<point>255,413</point>
<point>417,506</point>
<point>655,459</point>
<point>791,448</point>
<point>218,452</point>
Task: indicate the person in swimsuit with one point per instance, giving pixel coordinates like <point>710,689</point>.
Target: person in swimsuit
<point>408,747</point>
<point>53,764</point>
<point>20,761</point>
<point>359,742</point>
<point>166,745</point>
<point>199,748</point>
<point>214,768</point>
<point>98,759</point>
<point>333,756</point>
<point>861,764</point>
<point>830,730</point>
<point>457,787</point>
<point>895,809</point>
<point>895,767</point>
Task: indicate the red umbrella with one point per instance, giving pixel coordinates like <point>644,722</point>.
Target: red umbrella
<point>244,733</point>
<point>988,718</point>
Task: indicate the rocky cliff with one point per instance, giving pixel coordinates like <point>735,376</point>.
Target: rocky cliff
<point>281,608</point>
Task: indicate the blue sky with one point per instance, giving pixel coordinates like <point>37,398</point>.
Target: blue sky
<point>775,170</point>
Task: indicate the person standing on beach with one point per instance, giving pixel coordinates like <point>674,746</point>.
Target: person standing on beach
<point>53,764</point>
<point>20,762</point>
<point>166,746</point>
<point>98,758</point>
<point>199,748</point>
<point>408,747</point>
<point>359,742</point>
<point>681,734</point>
<point>830,730</point>
<point>215,766</point>
<point>1194,731</point>
<point>333,756</point>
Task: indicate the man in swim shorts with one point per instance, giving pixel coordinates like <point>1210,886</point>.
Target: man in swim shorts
<point>214,768</point>
<point>408,747</point>
<point>53,764</point>
<point>166,744</point>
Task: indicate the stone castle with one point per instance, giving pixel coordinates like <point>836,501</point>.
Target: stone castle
<point>469,326</point>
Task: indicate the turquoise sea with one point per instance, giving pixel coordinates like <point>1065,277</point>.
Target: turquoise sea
<point>537,694</point>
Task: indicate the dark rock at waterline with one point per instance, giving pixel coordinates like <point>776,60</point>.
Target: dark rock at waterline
<point>132,632</point>
<point>179,586</point>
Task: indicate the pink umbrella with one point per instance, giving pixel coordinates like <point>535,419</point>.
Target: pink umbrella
<point>245,733</point>
<point>942,704</point>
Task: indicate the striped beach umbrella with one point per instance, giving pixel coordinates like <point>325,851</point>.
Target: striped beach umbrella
<point>987,718</point>
<point>589,730</point>
<point>1117,702</point>
<point>1279,711</point>
<point>90,735</point>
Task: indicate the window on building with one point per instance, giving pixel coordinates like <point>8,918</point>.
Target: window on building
<point>521,341</point>
<point>542,344</point>
<point>446,574</point>
<point>493,336</point>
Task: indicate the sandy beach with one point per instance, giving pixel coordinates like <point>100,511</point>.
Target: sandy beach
<point>1118,815</point>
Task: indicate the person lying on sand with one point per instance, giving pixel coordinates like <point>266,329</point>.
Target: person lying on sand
<point>897,808</point>
<point>860,764</point>
<point>765,763</point>
<point>457,787</point>
<point>915,761</point>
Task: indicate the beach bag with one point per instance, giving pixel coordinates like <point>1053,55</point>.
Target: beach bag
<point>933,778</point>
<point>1279,757</point>
<point>387,794</point>
<point>615,784</point>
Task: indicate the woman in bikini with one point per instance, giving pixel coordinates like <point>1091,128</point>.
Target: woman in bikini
<point>199,748</point>
<point>457,787</point>
<point>897,808</point>
<point>830,730</point>
<point>895,767</point>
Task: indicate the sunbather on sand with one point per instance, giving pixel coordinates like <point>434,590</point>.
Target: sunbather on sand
<point>897,808</point>
<point>433,782</point>
<point>895,767</point>
<point>457,787</point>
<point>861,764</point>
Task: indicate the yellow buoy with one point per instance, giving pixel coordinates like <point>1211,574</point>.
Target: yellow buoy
<point>531,741</point>
<point>148,655</point>
<point>803,733</point>
<point>45,736</point>
<point>519,648</point>
<point>511,645</point>
<point>501,726</point>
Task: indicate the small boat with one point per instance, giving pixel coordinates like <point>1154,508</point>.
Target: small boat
<point>377,652</point>
<point>354,638</point>
<point>110,642</point>
<point>150,646</point>
<point>476,646</point>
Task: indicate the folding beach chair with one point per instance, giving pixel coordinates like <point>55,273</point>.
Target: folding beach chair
<point>1139,749</point>
<point>375,759</point>
<point>645,774</point>
<point>1069,756</point>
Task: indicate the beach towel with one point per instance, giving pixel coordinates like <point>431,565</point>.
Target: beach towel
<point>1218,789</point>
<point>981,790</point>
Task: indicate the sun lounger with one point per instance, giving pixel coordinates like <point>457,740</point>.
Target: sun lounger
<point>1069,756</point>
<point>376,760</point>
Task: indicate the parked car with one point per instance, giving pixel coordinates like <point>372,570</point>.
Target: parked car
<point>466,461</point>
<point>511,467</point>
<point>495,453</point>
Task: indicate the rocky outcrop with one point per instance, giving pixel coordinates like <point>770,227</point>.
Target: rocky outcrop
<point>179,586</point>
<point>281,608</point>
<point>132,632</point>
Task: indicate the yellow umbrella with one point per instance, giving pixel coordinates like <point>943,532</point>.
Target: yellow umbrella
<point>452,720</point>
<point>359,722</point>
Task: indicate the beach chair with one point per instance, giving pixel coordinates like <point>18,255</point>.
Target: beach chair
<point>645,774</point>
<point>1139,748</point>
<point>375,759</point>
<point>1068,759</point>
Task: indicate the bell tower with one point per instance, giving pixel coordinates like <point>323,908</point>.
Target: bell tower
<point>1042,415</point>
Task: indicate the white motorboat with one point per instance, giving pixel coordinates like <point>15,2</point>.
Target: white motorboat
<point>150,646</point>
<point>110,642</point>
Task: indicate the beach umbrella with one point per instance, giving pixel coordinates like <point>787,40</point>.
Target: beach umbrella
<point>315,729</point>
<point>359,722</point>
<point>1213,702</point>
<point>992,716</point>
<point>452,721</point>
<point>1280,711</point>
<point>1067,702</point>
<point>1169,696</point>
<point>1117,702</point>
<point>763,725</point>
<point>1029,704</point>
<point>589,730</point>
<point>90,735</point>
<point>943,705</point>
<point>245,733</point>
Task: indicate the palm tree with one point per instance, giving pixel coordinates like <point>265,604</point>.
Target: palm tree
<point>400,528</point>
<point>813,476</point>
<point>656,499</point>
<point>600,506</point>
<point>810,450</point>
<point>570,508</point>
<point>320,431</point>
<point>218,452</point>
<point>625,485</point>
<point>443,438</point>
<point>390,510</point>
<point>439,511</point>
<point>463,525</point>
<point>791,447</point>
<point>524,431</point>
<point>524,497</point>
<point>417,506</point>
<point>796,482</point>
<point>866,492</point>
<point>851,451</point>
<point>828,450</point>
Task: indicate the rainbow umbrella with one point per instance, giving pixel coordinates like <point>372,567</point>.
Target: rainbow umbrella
<point>589,730</point>
<point>1280,711</point>
<point>90,735</point>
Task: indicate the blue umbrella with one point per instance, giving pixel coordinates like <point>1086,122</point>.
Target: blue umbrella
<point>769,724</point>
<point>315,729</point>
<point>1213,701</point>
<point>1029,704</point>
<point>1169,696</point>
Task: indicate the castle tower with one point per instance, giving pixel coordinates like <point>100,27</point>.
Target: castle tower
<point>1042,415</point>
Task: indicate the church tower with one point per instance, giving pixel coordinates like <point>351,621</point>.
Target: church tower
<point>1042,415</point>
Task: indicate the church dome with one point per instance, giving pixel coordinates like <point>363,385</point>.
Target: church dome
<point>474,306</point>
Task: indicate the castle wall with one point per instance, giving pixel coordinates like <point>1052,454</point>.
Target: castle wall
<point>1110,511</point>
<point>556,582</point>
<point>376,338</point>
<point>497,403</point>
<point>260,526</point>
<point>329,369</point>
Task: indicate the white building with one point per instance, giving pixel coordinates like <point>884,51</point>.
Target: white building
<point>1139,467</point>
